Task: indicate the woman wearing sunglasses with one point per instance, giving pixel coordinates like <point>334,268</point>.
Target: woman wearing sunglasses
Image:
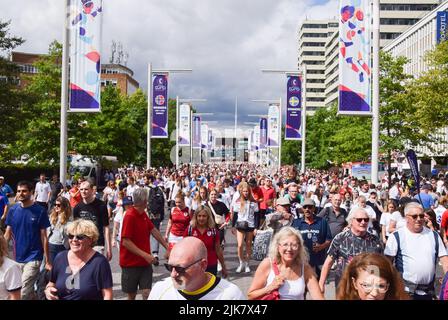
<point>348,244</point>
<point>371,276</point>
<point>286,270</point>
<point>80,273</point>
<point>57,236</point>
<point>202,226</point>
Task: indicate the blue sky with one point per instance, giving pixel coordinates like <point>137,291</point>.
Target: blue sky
<point>226,43</point>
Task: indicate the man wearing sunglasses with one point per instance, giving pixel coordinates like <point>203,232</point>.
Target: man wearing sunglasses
<point>349,243</point>
<point>315,233</point>
<point>415,250</point>
<point>188,279</point>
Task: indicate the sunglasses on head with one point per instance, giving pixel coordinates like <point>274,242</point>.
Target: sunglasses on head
<point>415,216</point>
<point>179,270</point>
<point>80,237</point>
<point>362,219</point>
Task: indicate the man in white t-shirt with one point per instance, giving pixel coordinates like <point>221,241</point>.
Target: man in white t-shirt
<point>188,280</point>
<point>42,192</point>
<point>415,250</point>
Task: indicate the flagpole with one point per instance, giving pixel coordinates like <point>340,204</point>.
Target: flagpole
<point>376,91</point>
<point>64,98</point>
<point>149,117</point>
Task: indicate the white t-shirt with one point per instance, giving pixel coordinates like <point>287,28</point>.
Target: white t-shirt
<point>394,193</point>
<point>119,216</point>
<point>439,213</point>
<point>418,251</point>
<point>247,213</point>
<point>399,220</point>
<point>224,290</point>
<point>130,190</point>
<point>42,191</point>
<point>385,221</point>
<point>10,277</point>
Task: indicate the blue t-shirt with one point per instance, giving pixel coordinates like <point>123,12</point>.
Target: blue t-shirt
<point>318,232</point>
<point>26,225</point>
<point>3,203</point>
<point>94,276</point>
<point>4,190</point>
<point>426,200</point>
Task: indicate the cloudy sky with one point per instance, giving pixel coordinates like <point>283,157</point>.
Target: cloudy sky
<point>226,43</point>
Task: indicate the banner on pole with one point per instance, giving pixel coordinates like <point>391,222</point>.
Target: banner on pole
<point>160,107</point>
<point>293,108</point>
<point>196,132</point>
<point>256,140</point>
<point>85,22</point>
<point>273,125</point>
<point>210,140</point>
<point>354,57</point>
<point>204,135</point>
<point>263,133</point>
<point>412,160</point>
<point>442,21</point>
<point>184,125</point>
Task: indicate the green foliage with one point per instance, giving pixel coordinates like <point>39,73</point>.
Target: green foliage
<point>10,97</point>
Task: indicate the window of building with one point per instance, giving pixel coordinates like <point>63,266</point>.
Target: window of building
<point>315,80</point>
<point>313,44</point>
<point>407,7</point>
<point>313,99</point>
<point>314,62</point>
<point>389,36</point>
<point>400,21</point>
<point>106,83</point>
<point>27,68</point>
<point>315,90</point>
<point>314,26</point>
<point>314,35</point>
<point>315,71</point>
<point>313,53</point>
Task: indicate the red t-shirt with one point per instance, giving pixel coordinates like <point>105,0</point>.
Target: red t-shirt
<point>268,194</point>
<point>137,228</point>
<point>76,199</point>
<point>444,222</point>
<point>257,193</point>
<point>180,220</point>
<point>210,237</point>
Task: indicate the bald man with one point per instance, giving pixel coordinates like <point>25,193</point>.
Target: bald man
<point>188,279</point>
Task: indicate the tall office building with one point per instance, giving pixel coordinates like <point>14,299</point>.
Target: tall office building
<point>313,36</point>
<point>319,45</point>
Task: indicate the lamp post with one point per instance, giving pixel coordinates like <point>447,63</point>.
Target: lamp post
<point>296,73</point>
<point>151,72</point>
<point>375,91</point>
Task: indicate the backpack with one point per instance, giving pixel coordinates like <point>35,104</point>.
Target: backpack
<point>156,201</point>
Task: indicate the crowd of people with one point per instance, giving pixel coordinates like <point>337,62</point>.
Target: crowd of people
<point>374,241</point>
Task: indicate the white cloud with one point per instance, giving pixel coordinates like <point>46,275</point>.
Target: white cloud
<point>226,43</point>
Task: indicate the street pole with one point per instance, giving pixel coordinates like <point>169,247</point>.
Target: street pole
<point>177,132</point>
<point>148,135</point>
<point>64,97</point>
<point>302,167</point>
<point>376,91</point>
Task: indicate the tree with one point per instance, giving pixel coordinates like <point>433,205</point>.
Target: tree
<point>10,97</point>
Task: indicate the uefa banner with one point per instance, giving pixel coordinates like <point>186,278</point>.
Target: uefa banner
<point>293,108</point>
<point>273,125</point>
<point>354,57</point>
<point>441,26</point>
<point>263,133</point>
<point>210,140</point>
<point>196,132</point>
<point>85,24</point>
<point>184,125</point>
<point>160,106</point>
<point>256,140</point>
<point>204,135</point>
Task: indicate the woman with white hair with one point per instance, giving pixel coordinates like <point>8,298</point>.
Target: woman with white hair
<point>286,270</point>
<point>80,273</point>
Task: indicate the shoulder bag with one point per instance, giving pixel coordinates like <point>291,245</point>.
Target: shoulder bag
<point>274,294</point>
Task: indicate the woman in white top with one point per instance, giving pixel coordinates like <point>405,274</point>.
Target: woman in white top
<point>295,275</point>
<point>386,219</point>
<point>243,222</point>
<point>397,220</point>
<point>10,274</point>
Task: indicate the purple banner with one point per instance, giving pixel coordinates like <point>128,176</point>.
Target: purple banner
<point>160,107</point>
<point>210,140</point>
<point>354,57</point>
<point>85,22</point>
<point>196,132</point>
<point>294,108</point>
<point>263,133</point>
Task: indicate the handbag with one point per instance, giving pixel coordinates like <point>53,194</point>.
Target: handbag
<point>261,244</point>
<point>218,219</point>
<point>274,294</point>
<point>242,224</point>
